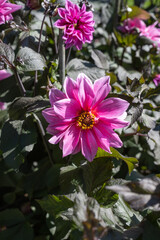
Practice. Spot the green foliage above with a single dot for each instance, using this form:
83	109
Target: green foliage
115	154
45	196
15	224
125	40
30	60
136	13
18	138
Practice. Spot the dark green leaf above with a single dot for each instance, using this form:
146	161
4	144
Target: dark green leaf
20	231
11	217
76	66
31	60
100	59
7	52
131	161
142	194
136	12
9	89
54	205
136	113
18	137
96	173
20	106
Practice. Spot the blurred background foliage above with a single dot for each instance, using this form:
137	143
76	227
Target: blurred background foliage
44	196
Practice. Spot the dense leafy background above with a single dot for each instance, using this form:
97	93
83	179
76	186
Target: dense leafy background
44	196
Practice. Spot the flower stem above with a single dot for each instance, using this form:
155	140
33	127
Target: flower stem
61	57
68	56
19	81
124	50
39	47
135	134
42	132
54	37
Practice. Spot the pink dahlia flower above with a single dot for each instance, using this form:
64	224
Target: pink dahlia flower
4	74
129	25
2	106
156	80
77	24
6	8
81	119
151	32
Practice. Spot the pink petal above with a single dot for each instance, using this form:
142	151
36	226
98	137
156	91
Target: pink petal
112	107
101	140
86	94
4	74
78	44
115	123
55	95
88	144
2	106
112	137
49	115
61	127
56	138
60	23
69	5
71	88
101	89
61	12
77	148
54	120
12	7
70	140
67	108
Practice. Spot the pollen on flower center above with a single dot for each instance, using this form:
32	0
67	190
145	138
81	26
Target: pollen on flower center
86	120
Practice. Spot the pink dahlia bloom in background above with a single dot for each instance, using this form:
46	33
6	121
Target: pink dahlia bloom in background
81	119
2	106
151	32
156	80
4	74
129	25
6	8
77	23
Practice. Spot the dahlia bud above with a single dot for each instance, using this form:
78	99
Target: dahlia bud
33	4
51	8
89	7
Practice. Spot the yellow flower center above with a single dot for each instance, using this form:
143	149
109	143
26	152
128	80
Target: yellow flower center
86	120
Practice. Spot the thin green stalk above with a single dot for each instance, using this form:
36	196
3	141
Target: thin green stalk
61	57
39	47
68	56
20	84
54	37
122	56
42	132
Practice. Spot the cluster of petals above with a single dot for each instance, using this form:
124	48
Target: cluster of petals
77	23
6	8
129	25
151	32
156	79
81	119
3	74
